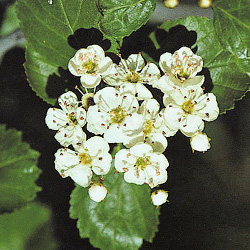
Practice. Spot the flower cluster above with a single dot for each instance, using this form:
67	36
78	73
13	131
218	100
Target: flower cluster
123	110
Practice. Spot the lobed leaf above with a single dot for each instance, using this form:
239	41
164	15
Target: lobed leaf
121	221
121	17
18	170
230	81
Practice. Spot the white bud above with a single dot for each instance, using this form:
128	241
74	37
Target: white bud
97	192
205	3
171	3
159	197
200	142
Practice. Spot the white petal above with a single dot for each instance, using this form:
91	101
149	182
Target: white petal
129	103
97	50
80	116
159	160
56	118
172	117
102	165
133	124
90	80
97	146
104	65
131	177
165	62
191	124
97	192
200	142
150	74
135	62
149	109
114	134
143	92
141	149
81	175
164	84
159	197
158	142
124	159
68	101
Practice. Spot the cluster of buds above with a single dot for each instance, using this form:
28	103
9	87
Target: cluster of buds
123	110
171	4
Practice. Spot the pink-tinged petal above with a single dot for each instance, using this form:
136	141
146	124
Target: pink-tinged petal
165	62
56	118
191	124
141	149
102	165
142	92
96	146
90	80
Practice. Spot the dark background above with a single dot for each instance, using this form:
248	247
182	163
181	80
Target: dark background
209	194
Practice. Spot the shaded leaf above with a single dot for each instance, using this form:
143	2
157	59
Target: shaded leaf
231	23
47	27
121	221
27	228
38	70
121	17
229	82
18	170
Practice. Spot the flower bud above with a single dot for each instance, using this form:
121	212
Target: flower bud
97	192
200	142
205	3
171	4
159	197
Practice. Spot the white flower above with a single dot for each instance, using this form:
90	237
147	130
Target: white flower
180	70
114	115
159	197
132	74
91	155
69	121
200	142
97	192
89	63
154	130
142	165
186	110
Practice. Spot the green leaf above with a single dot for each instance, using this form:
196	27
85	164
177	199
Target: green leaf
10	21
231	22
27	228
230	83
38	70
47	26
18	170
121	221
121	17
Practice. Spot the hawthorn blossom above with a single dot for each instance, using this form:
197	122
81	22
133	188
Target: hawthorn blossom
180	70
91	155
200	142
114	115
89	63
154	131
159	197
97	192
131	75
68	121
186	110
141	165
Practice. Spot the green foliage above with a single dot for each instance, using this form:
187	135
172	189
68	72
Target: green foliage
27	228
121	17
231	22
18	170
121	221
10	21
38	70
229	81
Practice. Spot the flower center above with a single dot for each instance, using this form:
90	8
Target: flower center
132	77
89	67
148	127
117	115
142	162
85	158
72	119
180	73
188	107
